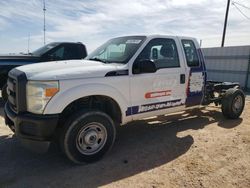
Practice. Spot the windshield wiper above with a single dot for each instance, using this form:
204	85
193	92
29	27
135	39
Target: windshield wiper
98	59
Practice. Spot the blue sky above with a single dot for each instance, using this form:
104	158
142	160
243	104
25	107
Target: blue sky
95	21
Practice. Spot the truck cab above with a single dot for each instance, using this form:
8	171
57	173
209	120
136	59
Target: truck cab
54	51
81	102
175	83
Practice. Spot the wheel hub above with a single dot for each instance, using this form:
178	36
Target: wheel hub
91	138
237	105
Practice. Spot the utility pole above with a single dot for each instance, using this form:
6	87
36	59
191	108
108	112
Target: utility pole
44	25
225	24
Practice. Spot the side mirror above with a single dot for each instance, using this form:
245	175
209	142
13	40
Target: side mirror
144	66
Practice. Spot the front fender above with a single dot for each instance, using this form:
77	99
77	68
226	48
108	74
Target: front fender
65	97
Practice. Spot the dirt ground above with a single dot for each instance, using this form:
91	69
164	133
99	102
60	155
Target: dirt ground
182	150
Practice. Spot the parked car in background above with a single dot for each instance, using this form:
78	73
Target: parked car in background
54	51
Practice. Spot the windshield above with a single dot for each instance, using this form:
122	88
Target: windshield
44	49
117	50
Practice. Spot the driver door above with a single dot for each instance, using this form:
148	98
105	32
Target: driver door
161	92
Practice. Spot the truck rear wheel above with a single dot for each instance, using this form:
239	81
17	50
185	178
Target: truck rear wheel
233	103
4	93
87	136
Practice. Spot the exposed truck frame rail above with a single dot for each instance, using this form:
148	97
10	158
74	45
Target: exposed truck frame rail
215	91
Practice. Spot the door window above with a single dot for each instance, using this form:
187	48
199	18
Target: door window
71	52
66	52
163	52
58	54
190	53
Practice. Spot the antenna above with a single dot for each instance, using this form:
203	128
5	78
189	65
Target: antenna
29	43
44	25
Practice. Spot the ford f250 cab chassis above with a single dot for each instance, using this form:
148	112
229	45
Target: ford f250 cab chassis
80	103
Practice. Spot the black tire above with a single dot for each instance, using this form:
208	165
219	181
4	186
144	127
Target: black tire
231	107
81	130
4	93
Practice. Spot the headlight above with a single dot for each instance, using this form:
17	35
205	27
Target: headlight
38	94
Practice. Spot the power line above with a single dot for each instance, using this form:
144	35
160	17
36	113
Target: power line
242	13
244	6
226	17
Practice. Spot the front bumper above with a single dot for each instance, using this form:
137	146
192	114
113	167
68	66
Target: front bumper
35	131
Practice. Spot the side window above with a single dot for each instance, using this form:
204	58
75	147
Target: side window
163	52
66	52
58	54
82	51
71	52
190	53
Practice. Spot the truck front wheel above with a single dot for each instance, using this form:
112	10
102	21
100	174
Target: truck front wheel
87	136
233	103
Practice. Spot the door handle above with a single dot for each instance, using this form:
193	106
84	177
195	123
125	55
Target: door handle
182	78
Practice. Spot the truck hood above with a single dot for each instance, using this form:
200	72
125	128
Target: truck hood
70	69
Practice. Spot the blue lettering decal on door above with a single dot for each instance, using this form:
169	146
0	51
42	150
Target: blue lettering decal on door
152	107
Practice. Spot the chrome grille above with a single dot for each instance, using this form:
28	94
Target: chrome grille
17	90
12	93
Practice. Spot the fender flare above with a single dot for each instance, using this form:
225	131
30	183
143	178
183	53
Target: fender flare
62	99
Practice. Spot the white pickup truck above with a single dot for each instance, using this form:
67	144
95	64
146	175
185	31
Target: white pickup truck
81	102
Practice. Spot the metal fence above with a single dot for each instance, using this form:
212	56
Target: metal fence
229	64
